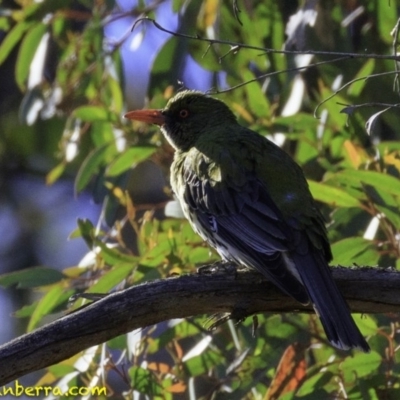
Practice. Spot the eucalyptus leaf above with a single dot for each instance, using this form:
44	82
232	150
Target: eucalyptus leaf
332	195
91	165
27	52
31	277
129	159
12	38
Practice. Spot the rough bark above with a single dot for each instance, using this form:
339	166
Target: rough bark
244	293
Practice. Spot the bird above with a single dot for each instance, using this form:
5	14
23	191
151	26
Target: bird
250	200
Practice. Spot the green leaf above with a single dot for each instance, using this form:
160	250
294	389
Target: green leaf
26	311
367	324
386	20
258	102
332	195
56	296
356	88
158	254
116	99
91	165
101	133
12	38
31	277
380	181
26	53
91	113
128	159
112	278
199	255
354	250
361	364
166	57
113	256
86	229
167	65
144	382
55	173
316	381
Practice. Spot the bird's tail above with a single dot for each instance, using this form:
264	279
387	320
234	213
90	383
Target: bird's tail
329	303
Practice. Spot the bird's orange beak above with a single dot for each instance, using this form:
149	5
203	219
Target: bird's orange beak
149	116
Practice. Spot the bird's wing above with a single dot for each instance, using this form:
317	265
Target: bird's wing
244	224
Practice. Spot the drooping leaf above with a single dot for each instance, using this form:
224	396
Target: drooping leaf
12	38
26	53
257	100
91	165
356	88
86	229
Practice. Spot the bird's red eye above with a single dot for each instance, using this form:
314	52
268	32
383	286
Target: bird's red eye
184	113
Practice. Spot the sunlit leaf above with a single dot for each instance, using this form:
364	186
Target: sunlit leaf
113	255
331	195
380	181
143	382
362	364
12	38
129	159
54	297
91	165
27	51
318	380
111	278
55	173
354	250
257	100
356	88
91	113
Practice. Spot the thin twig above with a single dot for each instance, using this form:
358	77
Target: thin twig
268	74
395	33
372	104
267	50
350	83
236	11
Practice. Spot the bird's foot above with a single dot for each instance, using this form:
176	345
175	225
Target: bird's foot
93	297
239	315
216	320
219	266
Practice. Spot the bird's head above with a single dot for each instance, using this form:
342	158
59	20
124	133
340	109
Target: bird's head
186	117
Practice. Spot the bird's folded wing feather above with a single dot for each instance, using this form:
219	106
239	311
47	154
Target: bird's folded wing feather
246	223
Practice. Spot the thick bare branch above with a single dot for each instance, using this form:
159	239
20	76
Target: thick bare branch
367	290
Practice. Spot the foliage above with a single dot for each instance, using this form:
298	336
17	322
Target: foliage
353	172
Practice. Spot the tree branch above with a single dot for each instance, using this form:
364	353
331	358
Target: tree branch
368	290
